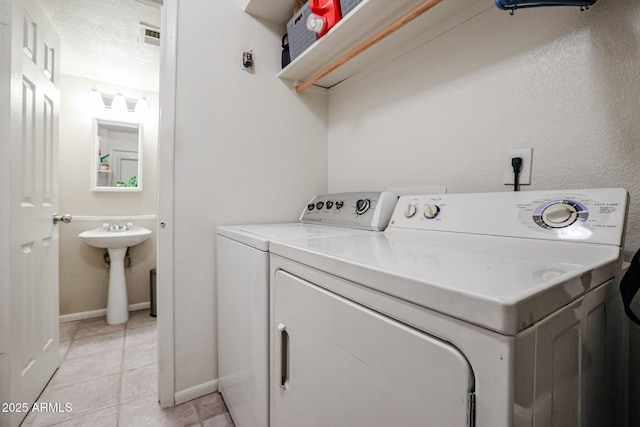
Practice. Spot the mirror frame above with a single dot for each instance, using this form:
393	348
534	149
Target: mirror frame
97	121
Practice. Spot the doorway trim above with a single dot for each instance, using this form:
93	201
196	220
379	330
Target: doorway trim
165	232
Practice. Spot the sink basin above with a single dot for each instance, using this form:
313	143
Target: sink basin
103	237
116	239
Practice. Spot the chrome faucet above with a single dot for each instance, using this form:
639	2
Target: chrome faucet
116	227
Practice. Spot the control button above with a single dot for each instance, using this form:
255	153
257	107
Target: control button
362	206
431	211
339	205
329	204
410	210
559	215
310	206
319	205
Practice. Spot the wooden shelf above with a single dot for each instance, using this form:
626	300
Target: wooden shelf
365	20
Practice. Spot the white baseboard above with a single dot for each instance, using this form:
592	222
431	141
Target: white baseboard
196	391
99	313
139	306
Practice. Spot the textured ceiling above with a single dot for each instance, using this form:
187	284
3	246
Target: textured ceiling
100	40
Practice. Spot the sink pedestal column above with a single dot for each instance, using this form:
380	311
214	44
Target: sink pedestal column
117	301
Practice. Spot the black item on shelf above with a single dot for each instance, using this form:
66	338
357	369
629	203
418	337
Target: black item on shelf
629	286
153	293
512	5
286	57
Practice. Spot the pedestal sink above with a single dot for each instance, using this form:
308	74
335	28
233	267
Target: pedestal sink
116	238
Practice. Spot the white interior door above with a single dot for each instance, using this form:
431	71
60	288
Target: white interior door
30	329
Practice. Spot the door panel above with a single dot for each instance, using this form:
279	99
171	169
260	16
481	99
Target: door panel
31	344
339	363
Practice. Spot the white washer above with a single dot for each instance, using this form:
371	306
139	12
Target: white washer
495	309
243	291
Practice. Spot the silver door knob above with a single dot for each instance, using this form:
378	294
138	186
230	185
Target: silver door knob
66	218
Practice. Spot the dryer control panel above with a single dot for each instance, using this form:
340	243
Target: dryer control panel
363	210
592	215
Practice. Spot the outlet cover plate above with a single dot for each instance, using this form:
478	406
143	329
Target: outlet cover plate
525	170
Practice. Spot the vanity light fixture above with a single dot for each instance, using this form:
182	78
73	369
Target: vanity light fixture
142	106
95	99
119	103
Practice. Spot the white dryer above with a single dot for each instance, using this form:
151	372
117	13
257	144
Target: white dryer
495	309
243	290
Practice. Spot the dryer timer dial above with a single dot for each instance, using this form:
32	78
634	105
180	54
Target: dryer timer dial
362	206
431	211
560	214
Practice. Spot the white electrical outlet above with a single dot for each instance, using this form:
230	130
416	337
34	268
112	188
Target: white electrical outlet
525	170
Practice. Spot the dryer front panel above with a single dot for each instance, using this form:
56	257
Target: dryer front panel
367	368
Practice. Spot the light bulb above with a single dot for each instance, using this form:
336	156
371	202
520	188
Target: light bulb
119	103
95	99
142	106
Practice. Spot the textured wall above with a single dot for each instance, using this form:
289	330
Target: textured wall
563	82
247	150
83	276
76	153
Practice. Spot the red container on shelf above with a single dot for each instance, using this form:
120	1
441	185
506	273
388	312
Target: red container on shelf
325	14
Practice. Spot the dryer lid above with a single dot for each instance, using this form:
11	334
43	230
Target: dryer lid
258	236
500	283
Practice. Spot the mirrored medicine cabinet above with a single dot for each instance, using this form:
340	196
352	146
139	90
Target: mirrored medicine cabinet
117	156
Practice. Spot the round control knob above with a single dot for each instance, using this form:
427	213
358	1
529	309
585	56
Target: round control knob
559	215
410	211
310	206
329	204
319	205
556	214
339	205
431	211
362	206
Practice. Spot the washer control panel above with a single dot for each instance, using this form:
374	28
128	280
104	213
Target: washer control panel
596	215
363	210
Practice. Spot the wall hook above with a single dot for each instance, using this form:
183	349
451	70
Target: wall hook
247	60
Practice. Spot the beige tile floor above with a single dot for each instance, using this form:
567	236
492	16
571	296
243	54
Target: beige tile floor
109	376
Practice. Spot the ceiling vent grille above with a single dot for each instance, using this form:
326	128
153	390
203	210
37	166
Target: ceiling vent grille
149	34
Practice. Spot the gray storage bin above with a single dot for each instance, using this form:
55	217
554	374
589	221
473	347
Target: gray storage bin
300	38
347	6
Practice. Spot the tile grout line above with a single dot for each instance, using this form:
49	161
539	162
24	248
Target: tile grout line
73	338
119	405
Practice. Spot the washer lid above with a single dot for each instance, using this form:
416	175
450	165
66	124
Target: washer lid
504	284
258	236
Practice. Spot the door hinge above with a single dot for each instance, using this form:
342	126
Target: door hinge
472	409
